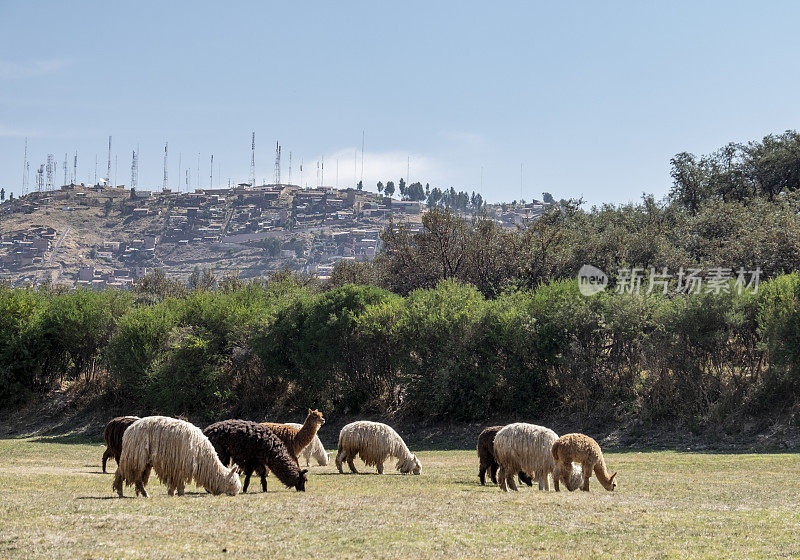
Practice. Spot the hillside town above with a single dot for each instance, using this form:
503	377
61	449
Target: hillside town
98	236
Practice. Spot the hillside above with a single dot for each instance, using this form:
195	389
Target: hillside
99	236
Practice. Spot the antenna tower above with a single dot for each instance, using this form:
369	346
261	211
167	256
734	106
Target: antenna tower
253	160
134	170
51	171
25	170
75	168
40	178
65	168
277	163
108	169
164	186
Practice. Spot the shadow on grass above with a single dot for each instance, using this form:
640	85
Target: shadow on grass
67	439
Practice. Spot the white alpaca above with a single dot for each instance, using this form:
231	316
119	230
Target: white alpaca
374	442
527	448
314	450
178	452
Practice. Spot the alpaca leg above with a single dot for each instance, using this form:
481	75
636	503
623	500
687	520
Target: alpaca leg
107	454
493	472
587	472
140	489
510	476
146	474
339	459
247	475
380	468
557	476
501	475
117	483
181	489
524	478
350	463
262	472
170	490
482	474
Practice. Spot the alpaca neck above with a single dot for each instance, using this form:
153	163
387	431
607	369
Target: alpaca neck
602	474
306	435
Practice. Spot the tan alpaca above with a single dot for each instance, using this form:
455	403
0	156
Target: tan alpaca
296	440
580	448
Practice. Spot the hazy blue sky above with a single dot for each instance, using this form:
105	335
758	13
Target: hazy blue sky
592	98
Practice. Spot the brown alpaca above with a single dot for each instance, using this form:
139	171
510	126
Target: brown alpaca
580	448
298	439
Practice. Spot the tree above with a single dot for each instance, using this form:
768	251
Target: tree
401	185
380	187
415	192
547	198
360	185
389	188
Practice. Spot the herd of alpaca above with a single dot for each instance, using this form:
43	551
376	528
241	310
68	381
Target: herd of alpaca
180	453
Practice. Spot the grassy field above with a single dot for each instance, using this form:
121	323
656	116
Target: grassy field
55	503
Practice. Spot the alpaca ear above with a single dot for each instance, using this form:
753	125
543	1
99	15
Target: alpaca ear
612	476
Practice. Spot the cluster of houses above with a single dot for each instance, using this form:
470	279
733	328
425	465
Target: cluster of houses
90	277
25	248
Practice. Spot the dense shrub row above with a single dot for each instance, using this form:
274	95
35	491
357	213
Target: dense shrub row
444	352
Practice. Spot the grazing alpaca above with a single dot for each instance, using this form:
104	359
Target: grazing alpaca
486	457
314	450
254	447
374	443
178	452
113	437
527	448
298	439
580	448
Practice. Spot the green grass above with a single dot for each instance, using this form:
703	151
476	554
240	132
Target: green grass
55	503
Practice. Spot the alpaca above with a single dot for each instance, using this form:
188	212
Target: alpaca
113	437
296	440
486	457
580	448
178	452
374	443
527	448
314	450
254	447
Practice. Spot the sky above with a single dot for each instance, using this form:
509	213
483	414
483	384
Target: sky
509	99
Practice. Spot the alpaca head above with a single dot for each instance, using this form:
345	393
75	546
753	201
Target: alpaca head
410	465
315	417
611	483
301	483
232	483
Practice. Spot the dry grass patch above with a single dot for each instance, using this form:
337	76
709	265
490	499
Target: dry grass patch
55	503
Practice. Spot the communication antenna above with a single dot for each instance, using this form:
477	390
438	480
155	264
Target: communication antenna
108	170
277	163
134	170
75	168
65	168
51	171
301	172
322	182
166	145
25	170
95	169
116	168
187	179
40	178
253	160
